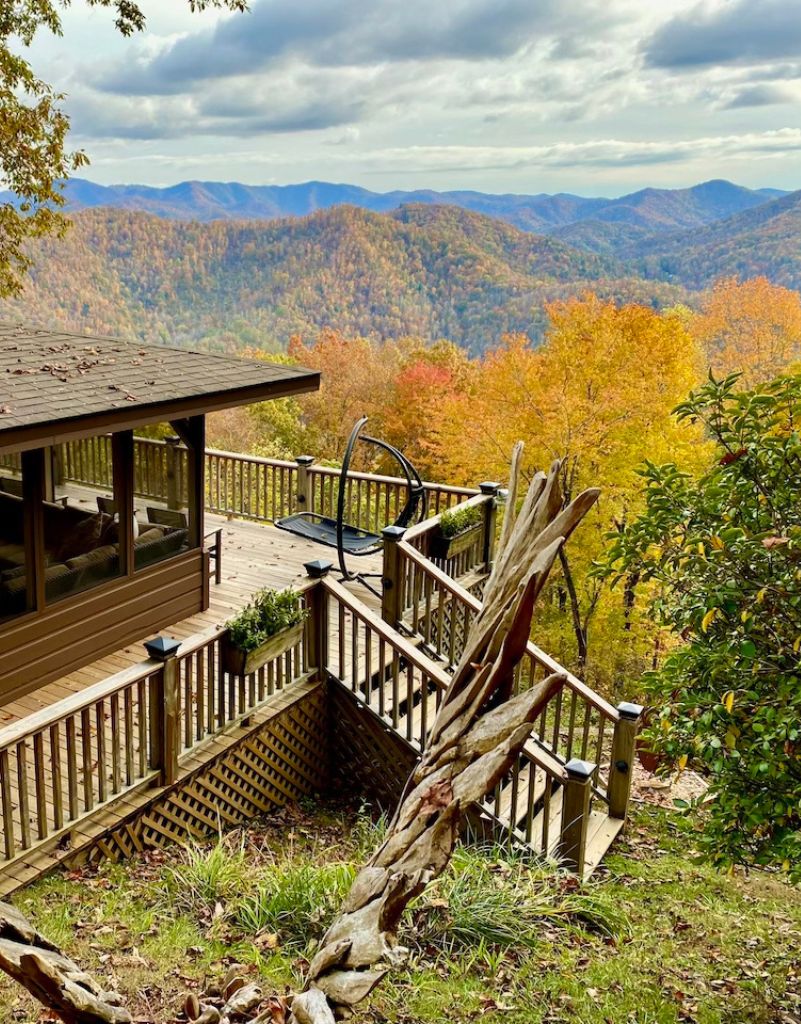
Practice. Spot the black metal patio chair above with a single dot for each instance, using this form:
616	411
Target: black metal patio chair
352	540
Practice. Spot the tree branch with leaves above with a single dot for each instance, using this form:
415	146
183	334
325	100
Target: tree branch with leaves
34	156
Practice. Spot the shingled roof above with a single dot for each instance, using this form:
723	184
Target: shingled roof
54	385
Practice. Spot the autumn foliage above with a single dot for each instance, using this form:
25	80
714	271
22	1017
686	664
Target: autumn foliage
599	391
753	328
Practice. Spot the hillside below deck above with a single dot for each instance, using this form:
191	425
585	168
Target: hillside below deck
83	575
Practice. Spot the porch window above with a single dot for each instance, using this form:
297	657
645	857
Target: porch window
81	524
163	482
16	597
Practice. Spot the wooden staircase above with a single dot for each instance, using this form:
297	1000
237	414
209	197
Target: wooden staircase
553	803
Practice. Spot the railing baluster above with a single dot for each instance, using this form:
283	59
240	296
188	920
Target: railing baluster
127	700
22	792
40	785
72	769
86	744
102	773
9	839
116	774
55	753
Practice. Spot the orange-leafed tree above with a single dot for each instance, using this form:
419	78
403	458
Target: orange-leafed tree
598	391
751	327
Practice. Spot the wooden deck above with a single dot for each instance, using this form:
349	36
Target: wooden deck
253	556
127	727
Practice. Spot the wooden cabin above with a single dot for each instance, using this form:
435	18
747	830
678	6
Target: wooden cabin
86	571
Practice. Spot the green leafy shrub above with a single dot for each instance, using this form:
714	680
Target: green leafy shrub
457	521
268	613
724	551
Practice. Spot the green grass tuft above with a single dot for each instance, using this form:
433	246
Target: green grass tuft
296	900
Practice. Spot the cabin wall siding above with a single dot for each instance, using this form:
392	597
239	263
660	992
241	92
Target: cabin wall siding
41	647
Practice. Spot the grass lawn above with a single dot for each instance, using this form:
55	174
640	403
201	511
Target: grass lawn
655	937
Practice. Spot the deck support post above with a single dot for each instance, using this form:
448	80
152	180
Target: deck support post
303	495
165	728
391	583
317	622
490	490
623	747
173	476
576	803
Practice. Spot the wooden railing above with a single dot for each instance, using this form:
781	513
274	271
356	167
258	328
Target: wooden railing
133	729
250	487
436	603
12	461
58	765
396	681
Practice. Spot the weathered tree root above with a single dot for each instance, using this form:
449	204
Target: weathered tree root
53	979
477	734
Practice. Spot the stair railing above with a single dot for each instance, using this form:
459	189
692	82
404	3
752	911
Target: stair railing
540	804
437	612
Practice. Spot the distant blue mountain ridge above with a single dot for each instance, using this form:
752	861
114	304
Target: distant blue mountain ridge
598	224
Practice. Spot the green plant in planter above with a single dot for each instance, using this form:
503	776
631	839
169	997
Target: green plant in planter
453	523
270	612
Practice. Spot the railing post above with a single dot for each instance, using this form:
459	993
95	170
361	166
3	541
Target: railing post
303	494
317	622
391	583
623	745
57	452
165	730
576	800
490	489
173	488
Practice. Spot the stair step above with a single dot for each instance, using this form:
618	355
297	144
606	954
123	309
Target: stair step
601	833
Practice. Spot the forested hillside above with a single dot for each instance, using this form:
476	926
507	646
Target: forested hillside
763	241
427	271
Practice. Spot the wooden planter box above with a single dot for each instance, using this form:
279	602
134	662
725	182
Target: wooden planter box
242	663
449	547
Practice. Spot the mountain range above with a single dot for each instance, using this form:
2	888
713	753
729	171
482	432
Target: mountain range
190	270
650	209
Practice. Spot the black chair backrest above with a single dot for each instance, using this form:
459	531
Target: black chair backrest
416	504
167	517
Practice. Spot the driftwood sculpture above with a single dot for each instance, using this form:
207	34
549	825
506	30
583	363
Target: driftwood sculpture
55	980
478	732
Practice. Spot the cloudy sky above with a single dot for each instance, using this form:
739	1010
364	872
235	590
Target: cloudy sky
598	97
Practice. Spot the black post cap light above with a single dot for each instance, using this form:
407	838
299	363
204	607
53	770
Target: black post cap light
317	569
162	648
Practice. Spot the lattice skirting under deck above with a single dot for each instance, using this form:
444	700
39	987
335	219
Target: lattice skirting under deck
276	762
367	759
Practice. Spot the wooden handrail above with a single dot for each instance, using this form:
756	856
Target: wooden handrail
539	656
431	523
243	457
394	639
319	469
75	703
380	479
546	761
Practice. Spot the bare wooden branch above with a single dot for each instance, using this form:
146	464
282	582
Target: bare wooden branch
510	512
51	977
479	731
